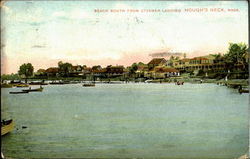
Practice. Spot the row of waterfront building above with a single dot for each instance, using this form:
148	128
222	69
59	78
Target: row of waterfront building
156	68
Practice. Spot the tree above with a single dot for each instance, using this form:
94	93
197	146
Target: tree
26	70
60	63
10	77
140	63
97	67
84	66
171	58
235	54
64	68
170	61
217	57
133	68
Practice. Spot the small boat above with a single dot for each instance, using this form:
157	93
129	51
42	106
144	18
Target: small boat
34	90
21	85
18	92
6	126
241	90
149	81
244	91
88	85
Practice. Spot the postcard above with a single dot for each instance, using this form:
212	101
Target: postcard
125	79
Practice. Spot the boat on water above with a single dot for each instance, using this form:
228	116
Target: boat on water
6	126
20	85
88	85
22	92
241	90
33	90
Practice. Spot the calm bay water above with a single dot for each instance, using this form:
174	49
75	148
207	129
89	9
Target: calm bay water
127	120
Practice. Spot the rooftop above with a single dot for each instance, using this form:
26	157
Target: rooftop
52	70
157	61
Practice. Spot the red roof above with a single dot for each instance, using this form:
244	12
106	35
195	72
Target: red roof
52	70
88	68
120	67
99	71
199	58
156	61
41	70
74	67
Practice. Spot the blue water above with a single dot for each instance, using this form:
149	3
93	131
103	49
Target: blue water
127	121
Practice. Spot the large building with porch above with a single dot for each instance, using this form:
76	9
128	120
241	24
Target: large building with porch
199	63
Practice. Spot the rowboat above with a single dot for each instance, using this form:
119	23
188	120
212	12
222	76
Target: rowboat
88	85
6	126
34	90
241	90
19	92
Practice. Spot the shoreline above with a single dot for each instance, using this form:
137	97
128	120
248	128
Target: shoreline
230	83
141	80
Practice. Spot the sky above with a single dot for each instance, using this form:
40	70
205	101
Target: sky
46	32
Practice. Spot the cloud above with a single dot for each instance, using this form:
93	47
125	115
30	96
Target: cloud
120	38
37	23
38	46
